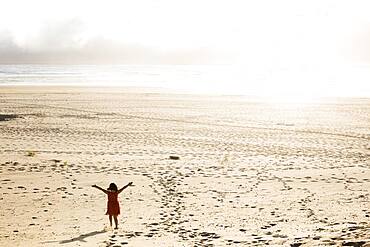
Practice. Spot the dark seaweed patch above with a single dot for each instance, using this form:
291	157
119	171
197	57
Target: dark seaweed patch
7	117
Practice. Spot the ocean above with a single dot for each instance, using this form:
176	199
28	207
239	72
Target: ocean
178	77
199	79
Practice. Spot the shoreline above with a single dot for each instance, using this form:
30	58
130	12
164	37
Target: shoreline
114	89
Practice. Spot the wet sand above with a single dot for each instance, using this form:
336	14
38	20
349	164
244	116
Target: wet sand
249	173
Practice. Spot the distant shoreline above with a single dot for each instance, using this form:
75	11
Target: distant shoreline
67	88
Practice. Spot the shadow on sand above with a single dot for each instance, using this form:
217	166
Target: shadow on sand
80	238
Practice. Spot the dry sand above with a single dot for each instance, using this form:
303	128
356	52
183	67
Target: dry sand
250	173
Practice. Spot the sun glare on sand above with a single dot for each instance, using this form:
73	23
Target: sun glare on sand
289	100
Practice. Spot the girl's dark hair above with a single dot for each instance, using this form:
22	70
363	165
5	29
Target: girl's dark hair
113	187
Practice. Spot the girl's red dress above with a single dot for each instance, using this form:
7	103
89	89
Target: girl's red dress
113	204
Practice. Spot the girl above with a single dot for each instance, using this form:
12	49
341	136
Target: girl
113	209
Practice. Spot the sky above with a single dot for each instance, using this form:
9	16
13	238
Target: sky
287	45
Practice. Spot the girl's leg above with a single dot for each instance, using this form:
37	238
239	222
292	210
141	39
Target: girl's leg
110	220
115	221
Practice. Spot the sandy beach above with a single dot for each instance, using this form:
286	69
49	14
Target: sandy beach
249	172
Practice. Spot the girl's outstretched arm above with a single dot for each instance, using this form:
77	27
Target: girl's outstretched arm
99	188
124	187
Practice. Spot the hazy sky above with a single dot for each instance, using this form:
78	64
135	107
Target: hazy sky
273	42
